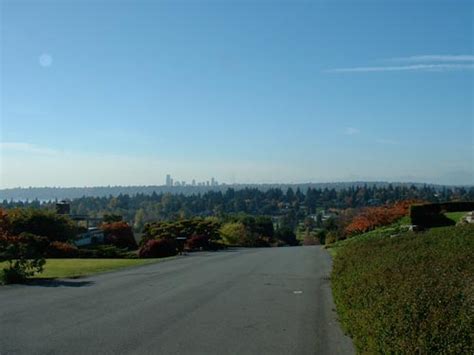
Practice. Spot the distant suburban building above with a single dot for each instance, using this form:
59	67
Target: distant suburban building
63	207
93	236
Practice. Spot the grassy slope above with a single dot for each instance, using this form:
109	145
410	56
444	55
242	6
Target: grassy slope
410	294
455	216
70	268
375	234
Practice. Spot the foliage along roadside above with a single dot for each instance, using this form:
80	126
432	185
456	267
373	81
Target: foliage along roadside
410	294
373	217
212	233
160	239
24	256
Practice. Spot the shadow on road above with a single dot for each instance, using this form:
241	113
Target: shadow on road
58	283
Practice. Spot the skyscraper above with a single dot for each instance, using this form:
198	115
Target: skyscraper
169	181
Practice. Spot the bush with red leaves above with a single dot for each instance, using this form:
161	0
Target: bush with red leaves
198	242
119	234
158	248
373	217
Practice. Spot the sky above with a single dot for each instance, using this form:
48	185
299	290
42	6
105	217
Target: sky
124	92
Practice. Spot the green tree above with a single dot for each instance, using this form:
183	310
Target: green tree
139	220
287	236
111	218
41	223
234	233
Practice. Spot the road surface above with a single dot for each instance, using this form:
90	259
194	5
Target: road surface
244	301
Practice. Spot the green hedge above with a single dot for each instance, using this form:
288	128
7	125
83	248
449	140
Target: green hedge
413	294
431	215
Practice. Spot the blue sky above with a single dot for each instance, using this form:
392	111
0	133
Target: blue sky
124	92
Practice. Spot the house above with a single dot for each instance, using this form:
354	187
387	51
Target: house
93	236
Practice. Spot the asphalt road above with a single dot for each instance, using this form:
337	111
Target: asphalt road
248	301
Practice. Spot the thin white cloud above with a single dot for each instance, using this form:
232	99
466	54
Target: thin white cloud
437	58
22	147
411	68
45	60
386	141
351	131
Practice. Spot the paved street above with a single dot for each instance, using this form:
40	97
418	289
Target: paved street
245	301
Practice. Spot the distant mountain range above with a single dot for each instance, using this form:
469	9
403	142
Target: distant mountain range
61	193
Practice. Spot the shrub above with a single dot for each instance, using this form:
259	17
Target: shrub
5	225
431	215
158	248
85	253
62	250
198	242
104	252
247	231
310	239
287	236
373	217
131	255
119	234
234	233
331	237
111	218
24	255
186	228
203	243
42	223
409	294
314	238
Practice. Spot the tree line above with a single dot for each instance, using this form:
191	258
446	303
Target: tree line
292	205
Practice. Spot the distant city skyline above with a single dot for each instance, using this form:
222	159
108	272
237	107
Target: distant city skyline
170	182
97	93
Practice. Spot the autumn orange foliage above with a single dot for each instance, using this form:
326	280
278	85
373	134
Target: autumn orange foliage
372	217
4	222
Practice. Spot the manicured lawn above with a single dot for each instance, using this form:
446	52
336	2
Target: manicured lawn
70	268
455	216
381	232
405	220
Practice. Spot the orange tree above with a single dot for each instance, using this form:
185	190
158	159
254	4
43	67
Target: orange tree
119	234
372	217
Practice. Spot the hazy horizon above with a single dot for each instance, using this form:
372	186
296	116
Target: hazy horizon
224	184
122	93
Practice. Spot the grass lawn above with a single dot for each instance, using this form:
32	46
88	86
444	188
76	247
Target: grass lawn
378	233
71	268
405	220
455	216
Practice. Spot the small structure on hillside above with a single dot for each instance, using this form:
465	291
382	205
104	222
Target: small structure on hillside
93	236
64	208
468	218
